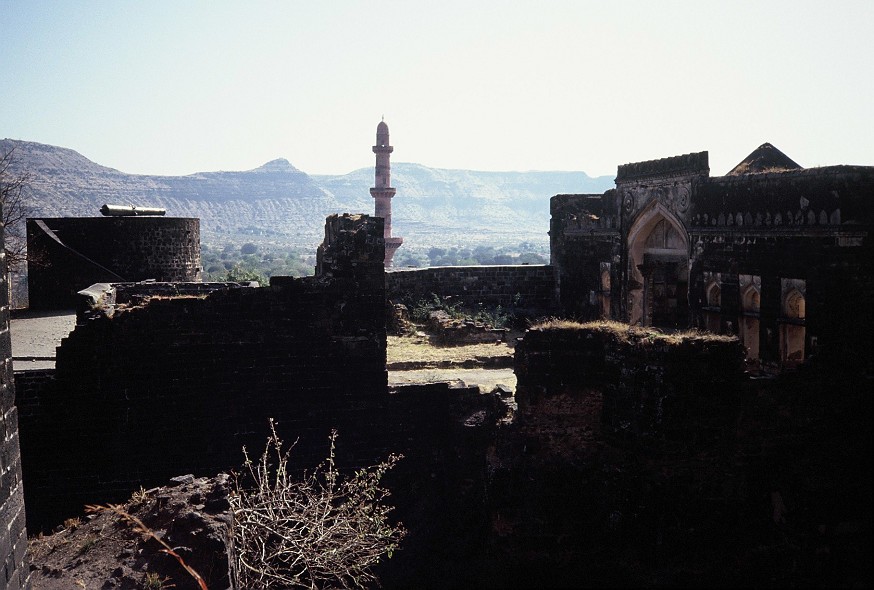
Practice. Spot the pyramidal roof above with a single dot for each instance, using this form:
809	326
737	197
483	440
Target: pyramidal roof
765	158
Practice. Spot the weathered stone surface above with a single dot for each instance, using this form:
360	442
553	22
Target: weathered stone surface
13	536
67	254
177	378
777	255
102	550
639	388
450	331
642	459
527	289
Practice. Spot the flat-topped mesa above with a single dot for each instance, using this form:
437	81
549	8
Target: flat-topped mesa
382	191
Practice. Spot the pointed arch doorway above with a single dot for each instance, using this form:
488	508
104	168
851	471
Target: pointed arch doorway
658	255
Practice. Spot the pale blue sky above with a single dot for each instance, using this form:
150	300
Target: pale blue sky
176	87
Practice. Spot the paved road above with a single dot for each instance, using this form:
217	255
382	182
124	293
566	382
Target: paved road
36	335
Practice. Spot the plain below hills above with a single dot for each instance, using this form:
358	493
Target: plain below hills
278	204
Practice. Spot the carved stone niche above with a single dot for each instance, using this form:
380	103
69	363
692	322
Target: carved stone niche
793	294
745	281
674	197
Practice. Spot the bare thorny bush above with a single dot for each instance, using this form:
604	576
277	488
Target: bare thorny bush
13	190
14	193
322	530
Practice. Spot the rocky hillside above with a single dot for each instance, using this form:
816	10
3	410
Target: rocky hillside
277	203
465	207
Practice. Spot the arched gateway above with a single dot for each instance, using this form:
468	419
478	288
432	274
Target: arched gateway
769	253
658	259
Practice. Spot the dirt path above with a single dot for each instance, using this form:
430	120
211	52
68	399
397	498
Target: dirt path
36	335
410	359
486	379
413	359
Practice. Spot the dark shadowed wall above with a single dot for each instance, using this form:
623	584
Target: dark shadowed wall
70	253
524	287
13	536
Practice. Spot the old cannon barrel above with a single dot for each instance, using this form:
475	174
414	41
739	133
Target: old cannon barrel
130	210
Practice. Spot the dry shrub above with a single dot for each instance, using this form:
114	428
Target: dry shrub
323	530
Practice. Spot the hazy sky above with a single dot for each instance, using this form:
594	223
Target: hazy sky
176	87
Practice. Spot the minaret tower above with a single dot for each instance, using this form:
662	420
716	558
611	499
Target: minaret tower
382	192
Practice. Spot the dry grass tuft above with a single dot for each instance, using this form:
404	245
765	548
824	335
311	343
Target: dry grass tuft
628	333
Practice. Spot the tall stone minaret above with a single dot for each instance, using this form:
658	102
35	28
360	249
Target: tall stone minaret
382	192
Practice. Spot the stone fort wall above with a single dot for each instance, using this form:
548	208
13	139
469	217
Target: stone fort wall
752	241
638	458
13	536
171	379
69	254
523	287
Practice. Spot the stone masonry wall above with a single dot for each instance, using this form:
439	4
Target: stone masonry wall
522	287
808	225
13	536
179	378
599	478
164	384
644	459
107	249
585	250
637	387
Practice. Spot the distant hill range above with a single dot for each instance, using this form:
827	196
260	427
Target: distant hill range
277	203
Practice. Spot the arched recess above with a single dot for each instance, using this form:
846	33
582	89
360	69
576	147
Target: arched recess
714	295
712	313
658	259
792	331
749	324
604	294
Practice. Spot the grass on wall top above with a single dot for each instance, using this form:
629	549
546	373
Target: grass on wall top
627	333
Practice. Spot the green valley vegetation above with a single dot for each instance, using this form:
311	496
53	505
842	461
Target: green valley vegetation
259	262
251	262
522	253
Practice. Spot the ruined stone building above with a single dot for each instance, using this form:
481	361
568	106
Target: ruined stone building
67	254
382	191
626	457
774	253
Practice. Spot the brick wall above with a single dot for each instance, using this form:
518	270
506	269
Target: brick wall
13	536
